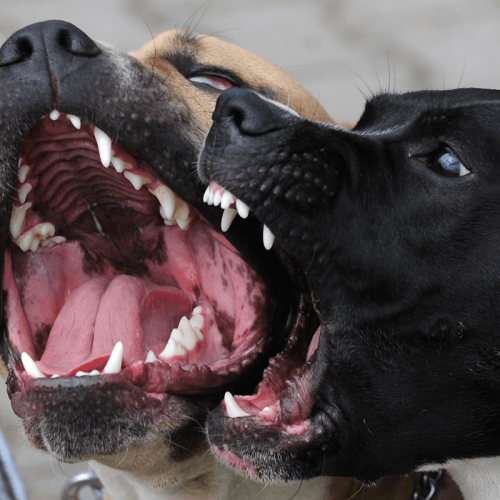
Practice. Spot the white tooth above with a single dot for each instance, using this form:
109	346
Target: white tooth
189	335
166	197
25	241
217	198
30	366
242	208
197	310
183	224
268	238
104	146
81	374
55	375
34	244
181	210
173	348
137	180
77	123
23	173
94	373
226	200
23	192
227	218
151	358
232	408
118	164
206	195
31	239
17	219
210	197
114	364
54	115
197	321
55	240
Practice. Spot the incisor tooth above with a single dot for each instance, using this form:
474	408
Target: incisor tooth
114	364
217	198
232	408
92	373
17	219
151	358
268	237
54	115
243	209
23	192
226	200
206	195
173	348
166	197
227	218
210	197
30	366
104	146
77	123
136	180
23	173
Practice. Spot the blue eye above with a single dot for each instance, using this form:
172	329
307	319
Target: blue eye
446	163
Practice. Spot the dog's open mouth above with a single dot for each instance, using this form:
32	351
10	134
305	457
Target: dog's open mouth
110	274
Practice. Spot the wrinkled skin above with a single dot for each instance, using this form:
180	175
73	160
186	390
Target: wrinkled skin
403	266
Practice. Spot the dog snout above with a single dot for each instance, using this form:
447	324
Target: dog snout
58	41
250	113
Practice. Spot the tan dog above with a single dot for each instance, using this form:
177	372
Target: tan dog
104	382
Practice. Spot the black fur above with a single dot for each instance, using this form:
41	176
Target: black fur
403	264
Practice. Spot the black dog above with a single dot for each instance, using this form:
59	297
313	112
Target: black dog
393	228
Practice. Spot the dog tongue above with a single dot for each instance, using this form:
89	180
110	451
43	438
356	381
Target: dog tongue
100	313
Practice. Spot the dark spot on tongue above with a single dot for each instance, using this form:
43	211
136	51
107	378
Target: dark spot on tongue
41	337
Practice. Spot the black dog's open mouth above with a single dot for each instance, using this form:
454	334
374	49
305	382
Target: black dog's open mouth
109	274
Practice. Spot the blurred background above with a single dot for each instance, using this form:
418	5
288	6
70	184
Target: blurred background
341	50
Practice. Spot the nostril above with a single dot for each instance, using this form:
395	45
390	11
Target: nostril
64	40
237	115
24	48
76	42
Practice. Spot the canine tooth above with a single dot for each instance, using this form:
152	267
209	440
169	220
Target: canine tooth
189	337
226	200
104	146
137	180
23	192
242	208
23	173
55	240
166	197
227	218
150	358
173	348
232	407
197	310
17	219
54	115
114	364
77	123
217	198
30	366
268	238
206	195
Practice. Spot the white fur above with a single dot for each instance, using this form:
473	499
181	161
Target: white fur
477	478
120	485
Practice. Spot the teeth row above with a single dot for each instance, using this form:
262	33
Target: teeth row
226	200
173	209
182	339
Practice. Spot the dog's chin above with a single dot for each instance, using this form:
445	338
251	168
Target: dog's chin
127	312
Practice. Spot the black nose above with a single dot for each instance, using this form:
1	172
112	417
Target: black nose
250	113
58	41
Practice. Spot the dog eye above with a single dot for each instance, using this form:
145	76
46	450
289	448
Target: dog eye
213	81
446	163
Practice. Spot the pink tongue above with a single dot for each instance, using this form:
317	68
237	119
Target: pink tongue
100	313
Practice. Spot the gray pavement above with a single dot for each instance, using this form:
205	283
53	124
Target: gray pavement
339	49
